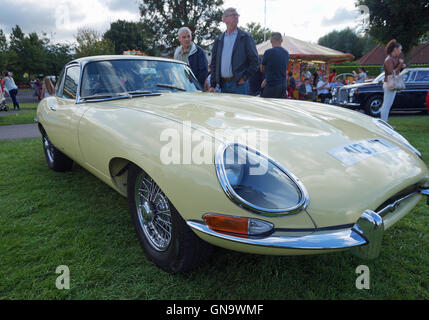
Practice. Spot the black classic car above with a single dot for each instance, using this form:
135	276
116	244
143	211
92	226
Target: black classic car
369	95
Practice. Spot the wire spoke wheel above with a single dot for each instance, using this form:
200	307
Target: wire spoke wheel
48	148
55	159
153	211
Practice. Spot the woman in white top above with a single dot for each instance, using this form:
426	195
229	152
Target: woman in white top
48	89
11	87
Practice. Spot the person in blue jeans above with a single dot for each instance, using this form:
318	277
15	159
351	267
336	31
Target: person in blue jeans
234	57
11	87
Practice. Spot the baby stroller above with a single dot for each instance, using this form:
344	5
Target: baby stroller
3	106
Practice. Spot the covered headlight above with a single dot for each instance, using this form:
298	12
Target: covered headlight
257	183
389	130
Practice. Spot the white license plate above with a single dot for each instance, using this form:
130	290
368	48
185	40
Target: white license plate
355	152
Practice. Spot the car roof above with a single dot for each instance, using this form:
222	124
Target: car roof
418	69
121	57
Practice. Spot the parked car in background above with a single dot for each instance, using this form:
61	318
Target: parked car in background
346	78
369	96
427	101
328	182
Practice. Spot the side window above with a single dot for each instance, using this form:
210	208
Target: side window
406	77
422	76
60	85
410	76
71	81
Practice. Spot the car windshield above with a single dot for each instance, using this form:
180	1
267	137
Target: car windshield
379	77
112	78
405	75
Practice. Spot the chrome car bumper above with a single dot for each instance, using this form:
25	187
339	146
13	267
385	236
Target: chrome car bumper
365	236
344	103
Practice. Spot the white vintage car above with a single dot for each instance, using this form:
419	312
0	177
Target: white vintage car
265	176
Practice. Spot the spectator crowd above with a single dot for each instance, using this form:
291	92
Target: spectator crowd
236	67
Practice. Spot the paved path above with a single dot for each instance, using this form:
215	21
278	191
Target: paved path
19	131
7	113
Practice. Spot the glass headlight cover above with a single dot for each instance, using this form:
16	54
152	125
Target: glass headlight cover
257	183
389	130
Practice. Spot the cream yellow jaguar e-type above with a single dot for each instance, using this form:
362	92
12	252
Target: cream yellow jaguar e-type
265	176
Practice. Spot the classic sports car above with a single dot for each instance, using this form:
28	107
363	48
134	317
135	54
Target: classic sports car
263	176
369	95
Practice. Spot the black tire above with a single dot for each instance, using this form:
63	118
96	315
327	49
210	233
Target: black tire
373	106
55	159
184	250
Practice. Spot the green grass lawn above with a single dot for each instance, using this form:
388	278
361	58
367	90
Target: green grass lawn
25	115
50	219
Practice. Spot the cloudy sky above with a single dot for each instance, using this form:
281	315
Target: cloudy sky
304	19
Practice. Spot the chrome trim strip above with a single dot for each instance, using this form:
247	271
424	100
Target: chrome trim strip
351	104
220	171
384	126
341	239
393	206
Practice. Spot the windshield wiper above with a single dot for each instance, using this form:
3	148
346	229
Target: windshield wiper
128	94
99	96
169	86
138	92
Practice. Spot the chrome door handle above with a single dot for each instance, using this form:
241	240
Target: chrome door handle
52	108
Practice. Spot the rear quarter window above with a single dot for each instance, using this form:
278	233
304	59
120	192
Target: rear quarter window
422	76
71	82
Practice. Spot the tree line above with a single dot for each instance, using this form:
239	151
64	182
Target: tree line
405	21
32	54
156	34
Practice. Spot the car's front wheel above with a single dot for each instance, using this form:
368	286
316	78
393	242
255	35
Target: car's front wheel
163	234
373	106
55	159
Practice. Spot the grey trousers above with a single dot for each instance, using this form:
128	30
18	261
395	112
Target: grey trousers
389	97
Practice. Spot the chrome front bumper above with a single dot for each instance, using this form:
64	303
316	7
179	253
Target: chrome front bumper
364	237
344	103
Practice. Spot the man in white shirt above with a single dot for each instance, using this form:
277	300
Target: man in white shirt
323	89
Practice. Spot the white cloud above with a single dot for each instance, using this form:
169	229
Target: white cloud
341	16
304	19
49	15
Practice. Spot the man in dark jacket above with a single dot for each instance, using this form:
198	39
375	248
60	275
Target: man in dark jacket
234	57
192	54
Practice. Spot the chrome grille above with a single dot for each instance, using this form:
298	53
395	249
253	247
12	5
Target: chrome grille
342	95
